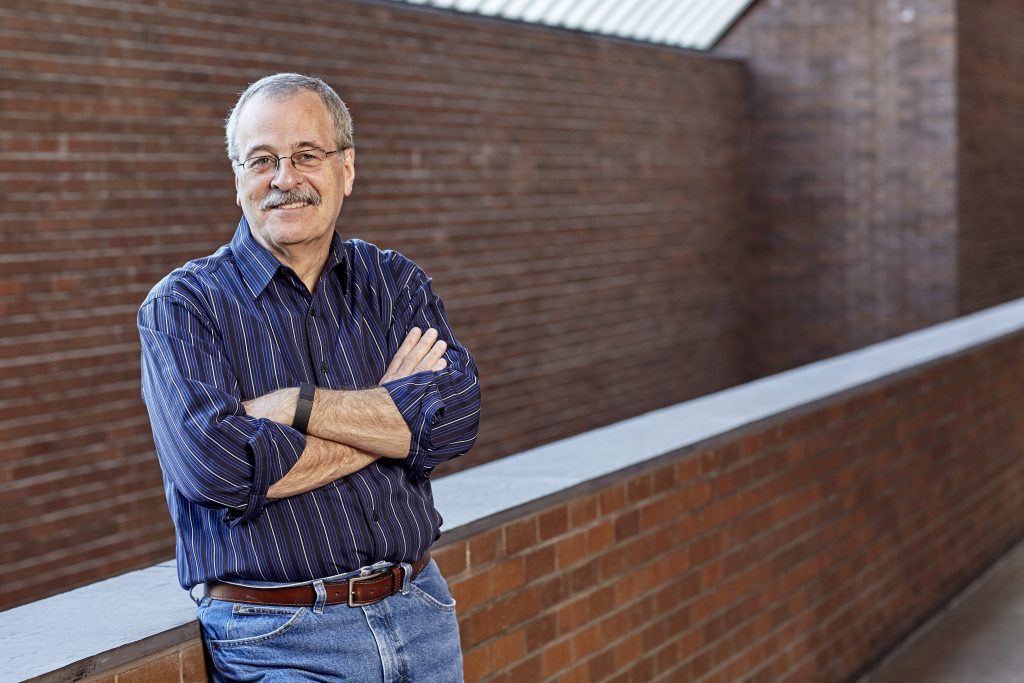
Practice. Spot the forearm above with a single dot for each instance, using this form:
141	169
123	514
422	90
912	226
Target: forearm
366	419
321	462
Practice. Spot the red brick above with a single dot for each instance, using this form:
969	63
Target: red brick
572	615
485	547
520	535
600	537
476	662
508	649
543	629
627	526
451	558
583	511
578	674
472	591
601	664
612	500
165	667
571	549
508	575
556	658
193	664
526	670
540	563
553	523
587	641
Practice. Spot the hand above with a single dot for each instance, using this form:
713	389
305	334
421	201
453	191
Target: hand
278	406
420	352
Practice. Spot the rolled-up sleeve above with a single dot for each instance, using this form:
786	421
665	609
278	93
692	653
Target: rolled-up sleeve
441	408
211	452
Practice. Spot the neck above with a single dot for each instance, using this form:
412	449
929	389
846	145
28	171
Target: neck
307	259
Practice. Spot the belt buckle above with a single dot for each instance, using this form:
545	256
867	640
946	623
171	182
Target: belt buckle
362	579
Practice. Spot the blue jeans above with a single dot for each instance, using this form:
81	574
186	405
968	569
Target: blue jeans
412	636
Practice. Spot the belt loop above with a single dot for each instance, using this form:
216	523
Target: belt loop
321	596
406	577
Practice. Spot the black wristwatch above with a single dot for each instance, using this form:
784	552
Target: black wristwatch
304	407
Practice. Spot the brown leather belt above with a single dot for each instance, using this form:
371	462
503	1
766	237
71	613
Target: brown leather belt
355	592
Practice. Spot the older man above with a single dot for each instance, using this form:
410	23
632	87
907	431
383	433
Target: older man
301	388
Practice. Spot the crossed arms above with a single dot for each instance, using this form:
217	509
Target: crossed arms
349	430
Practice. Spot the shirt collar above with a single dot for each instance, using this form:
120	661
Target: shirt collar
258	266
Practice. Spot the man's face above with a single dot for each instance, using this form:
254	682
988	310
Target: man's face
291	208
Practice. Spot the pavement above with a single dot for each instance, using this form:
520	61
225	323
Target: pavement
978	638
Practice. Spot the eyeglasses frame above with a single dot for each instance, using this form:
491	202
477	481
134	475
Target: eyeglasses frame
277	159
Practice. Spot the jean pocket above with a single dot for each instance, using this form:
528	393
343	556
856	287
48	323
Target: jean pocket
252	624
431	588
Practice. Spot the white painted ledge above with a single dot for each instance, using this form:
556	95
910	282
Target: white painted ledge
516	480
94	622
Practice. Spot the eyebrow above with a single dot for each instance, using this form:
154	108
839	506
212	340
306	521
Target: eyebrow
298	146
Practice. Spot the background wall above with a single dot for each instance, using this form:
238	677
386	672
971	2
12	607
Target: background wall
578	201
990	96
853	192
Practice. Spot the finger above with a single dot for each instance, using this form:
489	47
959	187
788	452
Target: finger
407	345
421	349
436	352
416	354
440	365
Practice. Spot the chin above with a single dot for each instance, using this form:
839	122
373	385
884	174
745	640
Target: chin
294	233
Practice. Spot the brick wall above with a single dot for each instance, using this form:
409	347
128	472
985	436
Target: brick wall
182	663
797	549
853	174
990	108
574	197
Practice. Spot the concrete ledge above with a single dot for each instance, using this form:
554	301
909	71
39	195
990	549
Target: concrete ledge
474	495
94	629
97	627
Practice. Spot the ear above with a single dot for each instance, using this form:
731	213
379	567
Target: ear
238	189
349	165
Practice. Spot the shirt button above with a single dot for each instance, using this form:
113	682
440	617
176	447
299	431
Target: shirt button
323	368
312	309
374	516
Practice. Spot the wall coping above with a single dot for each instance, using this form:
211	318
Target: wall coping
99	626
479	493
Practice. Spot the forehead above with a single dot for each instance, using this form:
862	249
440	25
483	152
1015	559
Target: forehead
284	123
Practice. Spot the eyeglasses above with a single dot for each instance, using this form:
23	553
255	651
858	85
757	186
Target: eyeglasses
303	160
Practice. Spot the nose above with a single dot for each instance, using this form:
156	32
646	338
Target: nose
286	177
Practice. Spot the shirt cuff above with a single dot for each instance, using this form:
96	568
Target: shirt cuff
421	405
273	448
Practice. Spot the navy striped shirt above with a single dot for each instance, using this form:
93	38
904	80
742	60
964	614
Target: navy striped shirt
238	324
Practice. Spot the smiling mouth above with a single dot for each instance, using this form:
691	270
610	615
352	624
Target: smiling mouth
293	205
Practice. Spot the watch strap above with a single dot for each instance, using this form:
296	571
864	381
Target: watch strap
304	407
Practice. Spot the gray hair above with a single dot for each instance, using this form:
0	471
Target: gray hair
280	86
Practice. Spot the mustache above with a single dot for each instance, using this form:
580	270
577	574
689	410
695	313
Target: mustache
278	198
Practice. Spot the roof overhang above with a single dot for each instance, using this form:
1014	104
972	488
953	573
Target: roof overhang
692	24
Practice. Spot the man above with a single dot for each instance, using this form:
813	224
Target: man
301	388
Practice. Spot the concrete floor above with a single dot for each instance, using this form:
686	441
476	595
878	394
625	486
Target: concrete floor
979	638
